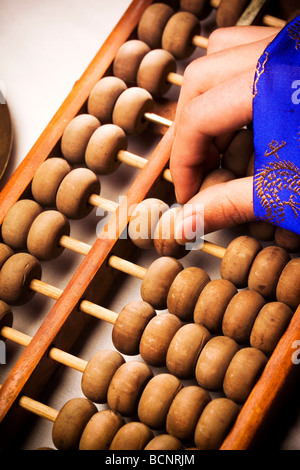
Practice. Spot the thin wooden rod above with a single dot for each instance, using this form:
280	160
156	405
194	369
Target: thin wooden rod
139	162
56	354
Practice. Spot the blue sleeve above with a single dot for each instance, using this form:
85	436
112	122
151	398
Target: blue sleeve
276	125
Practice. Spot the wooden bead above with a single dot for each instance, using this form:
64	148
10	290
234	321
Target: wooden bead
237	155
98	374
15	277
243	372
240	315
76	136
288	286
200	8
45	233
152	24
5	253
212	303
262	230
238	258
213	362
156	400
164	442
100	430
230	11
132	436
185	290
217	176
215	423
130	325
289	241
103	148
143	221
185	410
158	279
266	269
178	34
126	387
70	423
184	350
128	59
74	192
47	179
156	338
154	70
6	315
130	108
269	326
103	98
17	223
164	235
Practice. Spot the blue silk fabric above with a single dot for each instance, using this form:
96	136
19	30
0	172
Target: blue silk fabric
276	125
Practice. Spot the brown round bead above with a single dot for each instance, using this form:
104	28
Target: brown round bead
103	148
212	303
100	430
184	350
98	374
128	59
164	235
45	233
238	153
70	423
262	230
73	194
238	258
288	286
229	12
185	410
130	325
130	109
266	269
15	278
156	400
158	279
289	241
47	179
213	362
215	423
152	24
76	136
17	223
5	253
156	338
217	176
132	436
126	386
185	290
178	34
269	326
154	70
143	221
6	315
164	442
240	315
103	98
243	372
200	8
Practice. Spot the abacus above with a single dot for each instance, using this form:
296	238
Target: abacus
199	338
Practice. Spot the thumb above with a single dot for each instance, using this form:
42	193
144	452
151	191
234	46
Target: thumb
220	206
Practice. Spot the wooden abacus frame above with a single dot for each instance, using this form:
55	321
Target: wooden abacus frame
33	369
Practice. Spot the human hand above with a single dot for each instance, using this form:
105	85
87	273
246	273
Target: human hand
215	101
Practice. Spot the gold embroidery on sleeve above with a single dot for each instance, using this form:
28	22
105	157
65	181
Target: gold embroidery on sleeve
260	68
294	33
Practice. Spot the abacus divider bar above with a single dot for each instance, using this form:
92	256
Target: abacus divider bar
56	354
85	306
37	408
